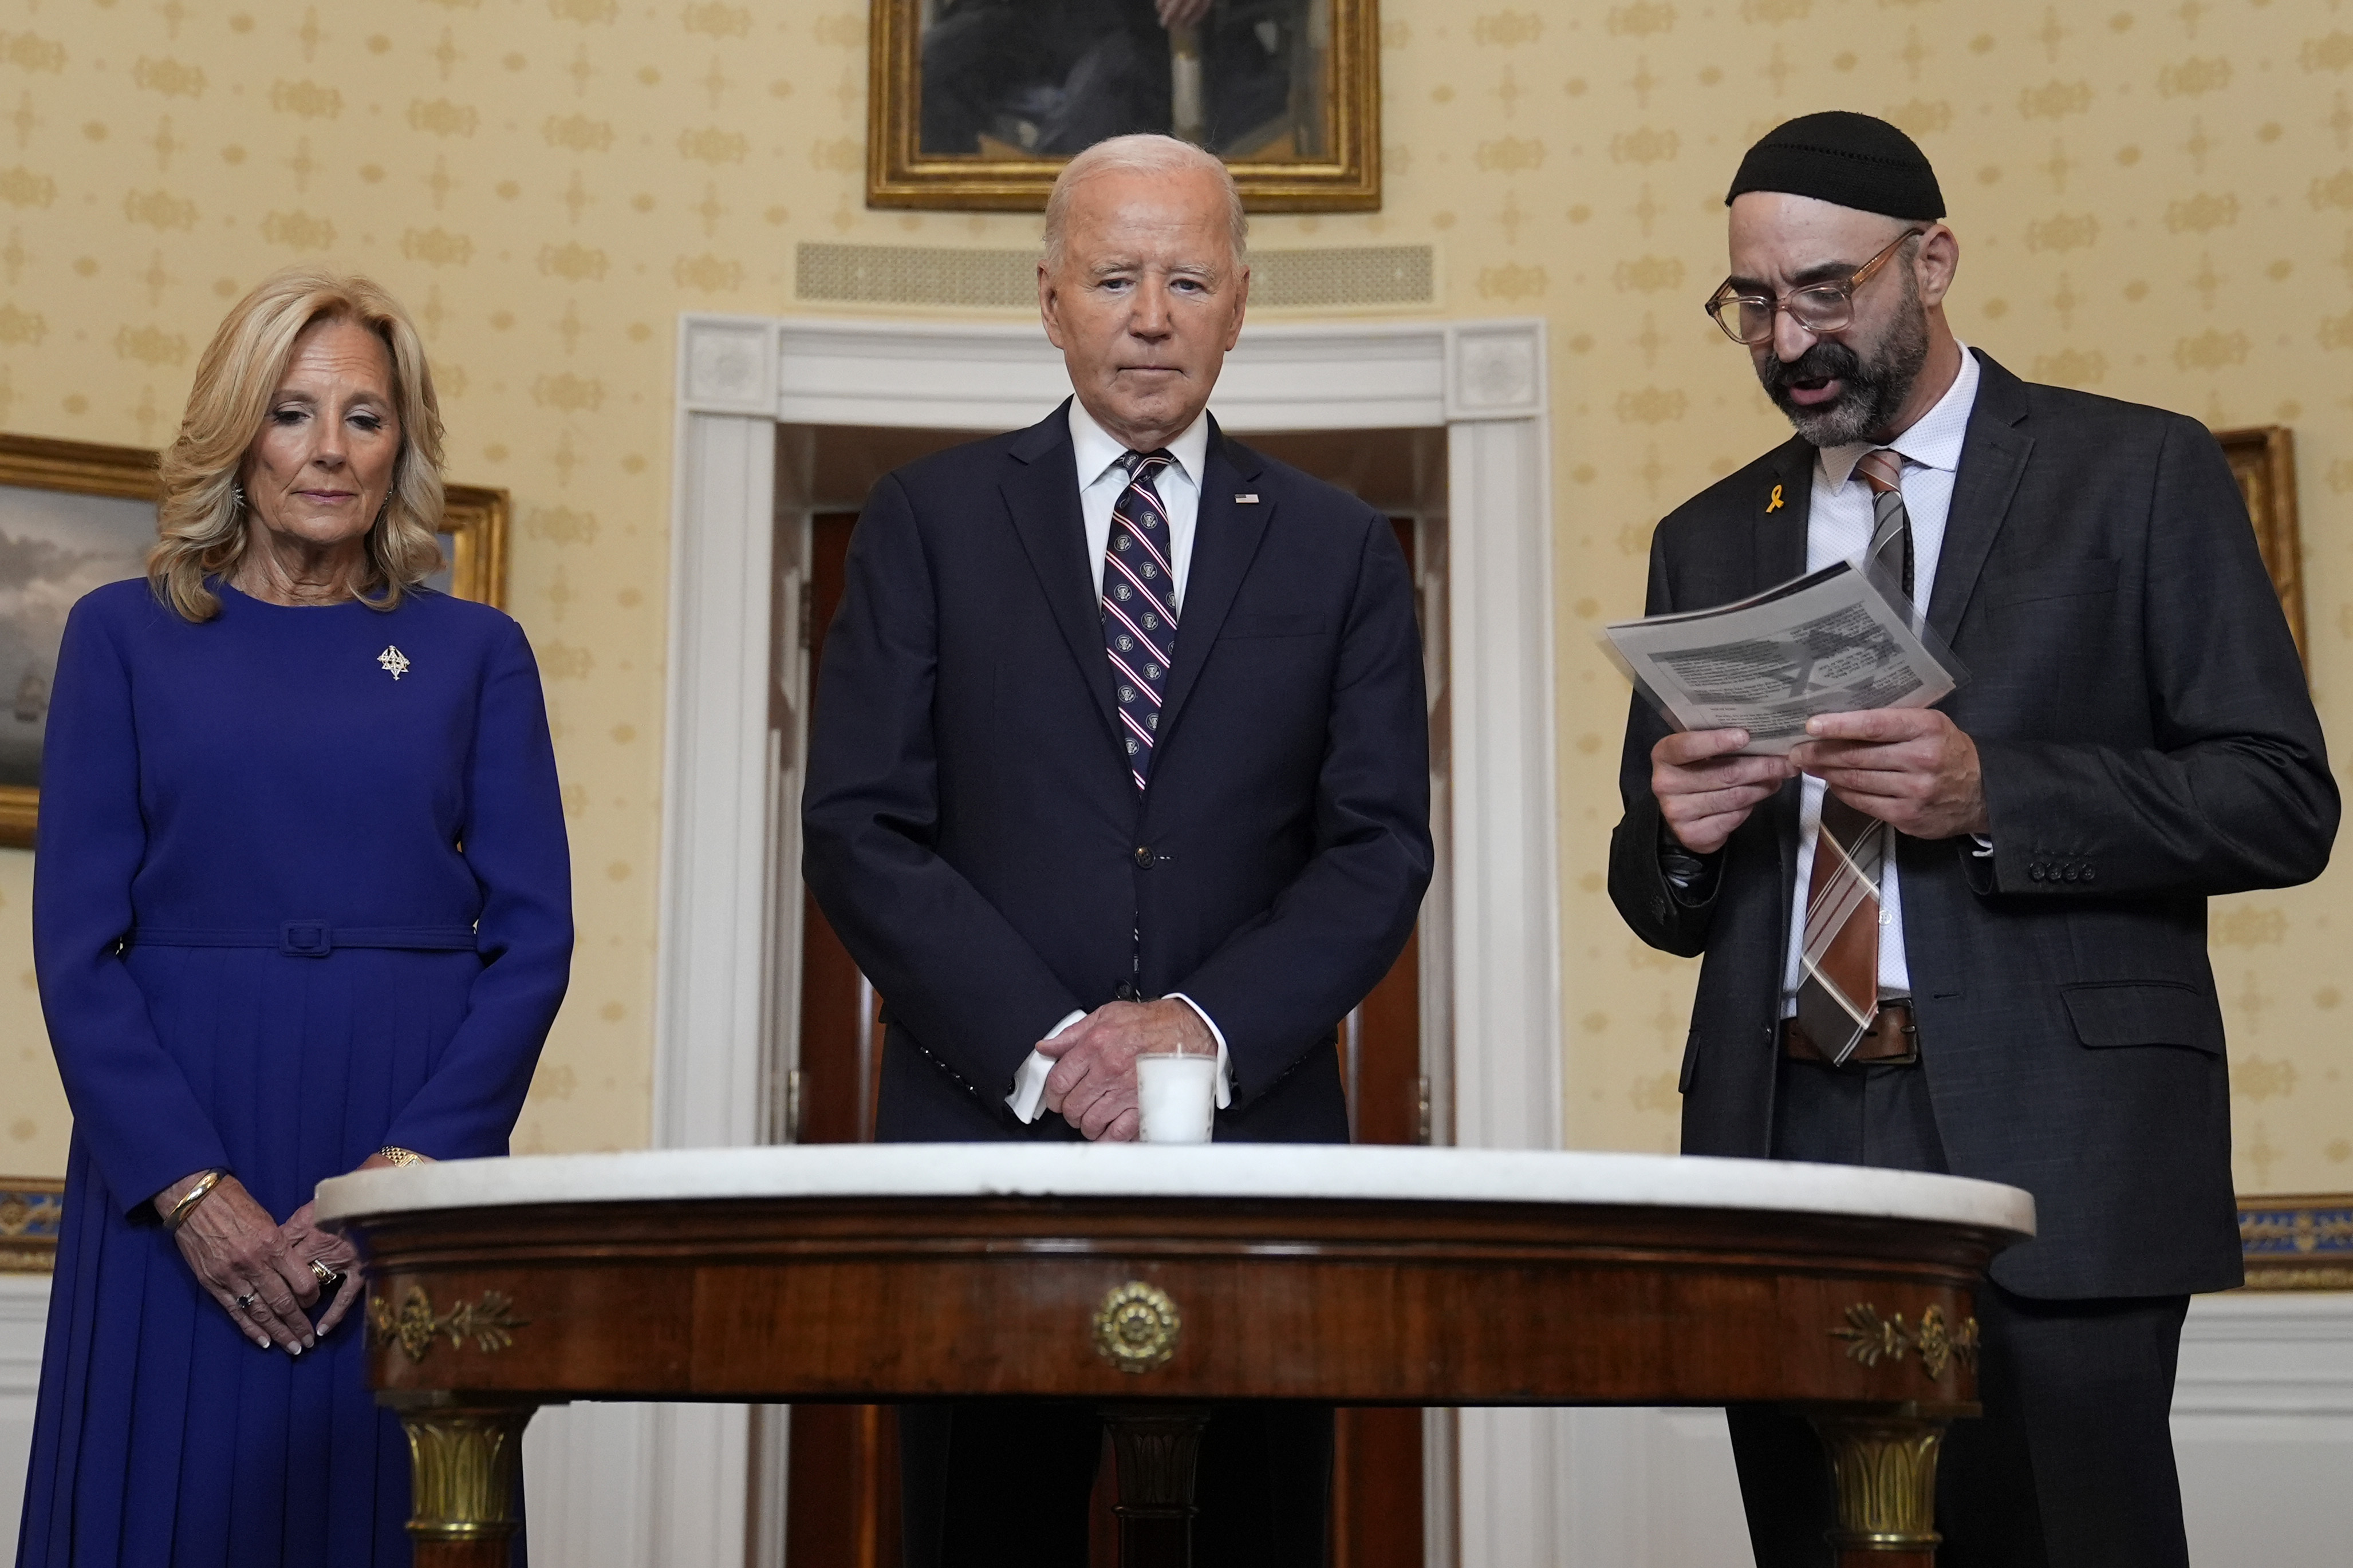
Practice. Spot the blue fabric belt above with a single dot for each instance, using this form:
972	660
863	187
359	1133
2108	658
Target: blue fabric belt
312	939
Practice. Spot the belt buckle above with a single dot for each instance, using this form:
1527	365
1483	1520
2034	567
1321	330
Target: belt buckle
1885	1016
306	939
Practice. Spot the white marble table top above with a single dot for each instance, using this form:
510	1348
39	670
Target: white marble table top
1143	1171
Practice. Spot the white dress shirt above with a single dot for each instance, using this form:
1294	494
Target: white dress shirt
1838	529
1103	479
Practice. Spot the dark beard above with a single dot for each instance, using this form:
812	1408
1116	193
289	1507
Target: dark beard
1869	394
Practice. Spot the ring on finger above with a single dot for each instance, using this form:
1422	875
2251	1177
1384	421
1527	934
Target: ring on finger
326	1275
245	1302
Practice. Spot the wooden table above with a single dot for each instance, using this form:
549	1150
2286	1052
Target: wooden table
1156	1280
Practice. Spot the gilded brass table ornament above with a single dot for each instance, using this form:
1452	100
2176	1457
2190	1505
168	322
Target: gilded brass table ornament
1872	1339
490	1323
464	1464
1886	1466
1136	1326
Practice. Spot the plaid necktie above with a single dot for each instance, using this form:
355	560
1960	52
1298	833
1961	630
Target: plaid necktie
1139	607
1838	993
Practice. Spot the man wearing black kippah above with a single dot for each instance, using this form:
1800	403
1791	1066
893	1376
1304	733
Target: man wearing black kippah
1971	939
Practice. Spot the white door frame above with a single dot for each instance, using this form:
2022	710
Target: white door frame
738	378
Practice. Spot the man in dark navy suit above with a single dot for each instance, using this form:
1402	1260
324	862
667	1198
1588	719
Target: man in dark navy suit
1121	742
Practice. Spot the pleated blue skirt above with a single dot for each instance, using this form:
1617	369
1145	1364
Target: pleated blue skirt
162	1435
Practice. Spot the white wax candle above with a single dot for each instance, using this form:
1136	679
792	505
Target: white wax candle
1177	1094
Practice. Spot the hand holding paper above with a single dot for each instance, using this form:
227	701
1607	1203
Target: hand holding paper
1912	768
1706	786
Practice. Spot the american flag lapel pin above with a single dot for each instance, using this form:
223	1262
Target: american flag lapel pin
1247	498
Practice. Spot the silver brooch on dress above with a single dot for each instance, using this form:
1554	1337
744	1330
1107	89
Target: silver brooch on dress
394	661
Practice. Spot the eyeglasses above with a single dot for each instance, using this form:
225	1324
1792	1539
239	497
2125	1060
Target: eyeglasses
1818	307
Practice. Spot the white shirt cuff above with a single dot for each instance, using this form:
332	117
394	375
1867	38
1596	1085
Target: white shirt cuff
1225	1070
1027	1100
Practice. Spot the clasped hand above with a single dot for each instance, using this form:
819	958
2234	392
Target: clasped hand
1912	768
1093	1086
235	1250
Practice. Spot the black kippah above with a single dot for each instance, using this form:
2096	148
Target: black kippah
1851	159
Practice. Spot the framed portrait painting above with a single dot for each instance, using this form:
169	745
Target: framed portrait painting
75	516
2263	460
977	103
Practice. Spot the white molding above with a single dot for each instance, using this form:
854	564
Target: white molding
715	793
1001	377
1495	370
727	364
2266	1354
24	1321
1505	909
2263	1435
2263	1426
740	374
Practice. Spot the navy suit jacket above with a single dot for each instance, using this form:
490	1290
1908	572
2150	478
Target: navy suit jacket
2146	739
971	830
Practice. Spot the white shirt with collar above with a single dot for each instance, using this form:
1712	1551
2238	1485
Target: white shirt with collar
1100	462
1839	528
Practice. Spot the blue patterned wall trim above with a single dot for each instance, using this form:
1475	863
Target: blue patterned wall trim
32	1211
2298	1243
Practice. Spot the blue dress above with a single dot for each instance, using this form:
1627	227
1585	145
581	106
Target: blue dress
265	777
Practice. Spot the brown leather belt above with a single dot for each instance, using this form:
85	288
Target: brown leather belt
1892	1037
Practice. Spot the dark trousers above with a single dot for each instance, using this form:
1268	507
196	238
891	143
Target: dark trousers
2071	1464
1004	1484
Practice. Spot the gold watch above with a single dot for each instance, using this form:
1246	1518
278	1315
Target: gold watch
400	1156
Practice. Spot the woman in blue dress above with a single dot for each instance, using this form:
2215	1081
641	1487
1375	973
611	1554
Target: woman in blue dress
302	906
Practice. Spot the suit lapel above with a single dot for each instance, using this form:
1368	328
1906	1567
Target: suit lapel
1783	511
1226	535
1993	458
1041	496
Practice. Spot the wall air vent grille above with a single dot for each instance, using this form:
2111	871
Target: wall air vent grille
1351	278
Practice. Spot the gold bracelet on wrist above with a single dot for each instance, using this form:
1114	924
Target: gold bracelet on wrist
400	1156
191	1197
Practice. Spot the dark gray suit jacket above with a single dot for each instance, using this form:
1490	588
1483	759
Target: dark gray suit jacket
2147	741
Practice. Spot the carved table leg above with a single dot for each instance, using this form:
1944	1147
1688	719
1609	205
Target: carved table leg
1155	1447
464	1459
1885	1461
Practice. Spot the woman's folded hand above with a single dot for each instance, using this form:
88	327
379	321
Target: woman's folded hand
239	1254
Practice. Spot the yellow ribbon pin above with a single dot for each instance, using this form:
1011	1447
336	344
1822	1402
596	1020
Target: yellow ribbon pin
1775	504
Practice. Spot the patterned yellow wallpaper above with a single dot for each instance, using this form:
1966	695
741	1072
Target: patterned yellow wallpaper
2155	201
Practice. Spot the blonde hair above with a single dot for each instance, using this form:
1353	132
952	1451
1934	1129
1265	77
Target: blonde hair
1145	152
200	520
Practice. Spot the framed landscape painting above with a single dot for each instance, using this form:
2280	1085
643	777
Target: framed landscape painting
75	516
977	103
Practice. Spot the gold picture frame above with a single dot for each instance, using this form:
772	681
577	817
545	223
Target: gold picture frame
2263	460
1337	116
474	524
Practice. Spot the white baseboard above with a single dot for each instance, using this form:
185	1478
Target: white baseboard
2262	1434
582	1496
2263	1427
24	1316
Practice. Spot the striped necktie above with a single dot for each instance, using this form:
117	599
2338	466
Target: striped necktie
1139	608
1838	991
